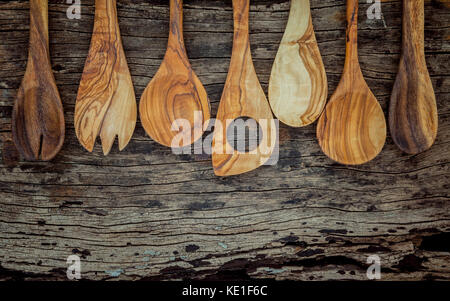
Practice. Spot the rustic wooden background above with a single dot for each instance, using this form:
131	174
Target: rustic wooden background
145	213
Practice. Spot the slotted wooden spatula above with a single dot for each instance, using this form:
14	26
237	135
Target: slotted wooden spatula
352	129
298	82
242	97
38	120
413	117
106	104
175	105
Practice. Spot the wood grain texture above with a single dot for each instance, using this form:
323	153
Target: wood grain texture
352	129
146	214
242	97
175	94
298	87
38	128
413	117
106	103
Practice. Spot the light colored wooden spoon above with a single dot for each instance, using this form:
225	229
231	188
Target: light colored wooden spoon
298	85
106	104
175	106
413	117
242	97
38	119
352	129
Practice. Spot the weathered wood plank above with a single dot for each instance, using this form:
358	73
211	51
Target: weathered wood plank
145	213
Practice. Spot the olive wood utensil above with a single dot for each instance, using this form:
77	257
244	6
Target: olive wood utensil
38	119
106	103
413	117
298	83
352	129
175	95
242	97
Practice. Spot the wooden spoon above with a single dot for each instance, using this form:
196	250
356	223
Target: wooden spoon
175	105
106	104
242	97
38	119
413	115
298	83
352	129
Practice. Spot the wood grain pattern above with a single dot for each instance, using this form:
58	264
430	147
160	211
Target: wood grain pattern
106	103
298	85
144	214
38	119
352	129
175	94
242	97
413	115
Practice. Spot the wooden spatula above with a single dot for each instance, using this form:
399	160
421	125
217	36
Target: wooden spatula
413	115
175	105
352	129
242	97
106	104
38	119
298	82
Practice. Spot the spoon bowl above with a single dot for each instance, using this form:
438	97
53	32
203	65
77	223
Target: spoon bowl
352	129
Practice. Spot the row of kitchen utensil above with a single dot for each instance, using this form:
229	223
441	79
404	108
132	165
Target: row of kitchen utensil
351	127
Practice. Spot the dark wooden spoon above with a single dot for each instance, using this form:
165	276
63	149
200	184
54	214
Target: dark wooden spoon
38	119
352	129
413	117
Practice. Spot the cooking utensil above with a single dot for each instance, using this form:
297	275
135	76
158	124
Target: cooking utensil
38	119
242	97
352	129
175	105
298	82
413	117
106	104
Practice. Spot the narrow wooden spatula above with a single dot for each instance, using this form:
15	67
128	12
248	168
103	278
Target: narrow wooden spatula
38	120
243	97
106	104
298	82
413	118
175	106
352	129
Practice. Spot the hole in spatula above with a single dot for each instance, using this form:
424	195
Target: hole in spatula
244	134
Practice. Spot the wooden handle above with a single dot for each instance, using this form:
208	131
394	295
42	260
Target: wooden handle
351	58
413	26
241	10
39	41
176	24
105	17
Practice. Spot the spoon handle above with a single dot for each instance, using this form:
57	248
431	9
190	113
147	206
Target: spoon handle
351	57
413	27
106	20
39	40
176	39
241	29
